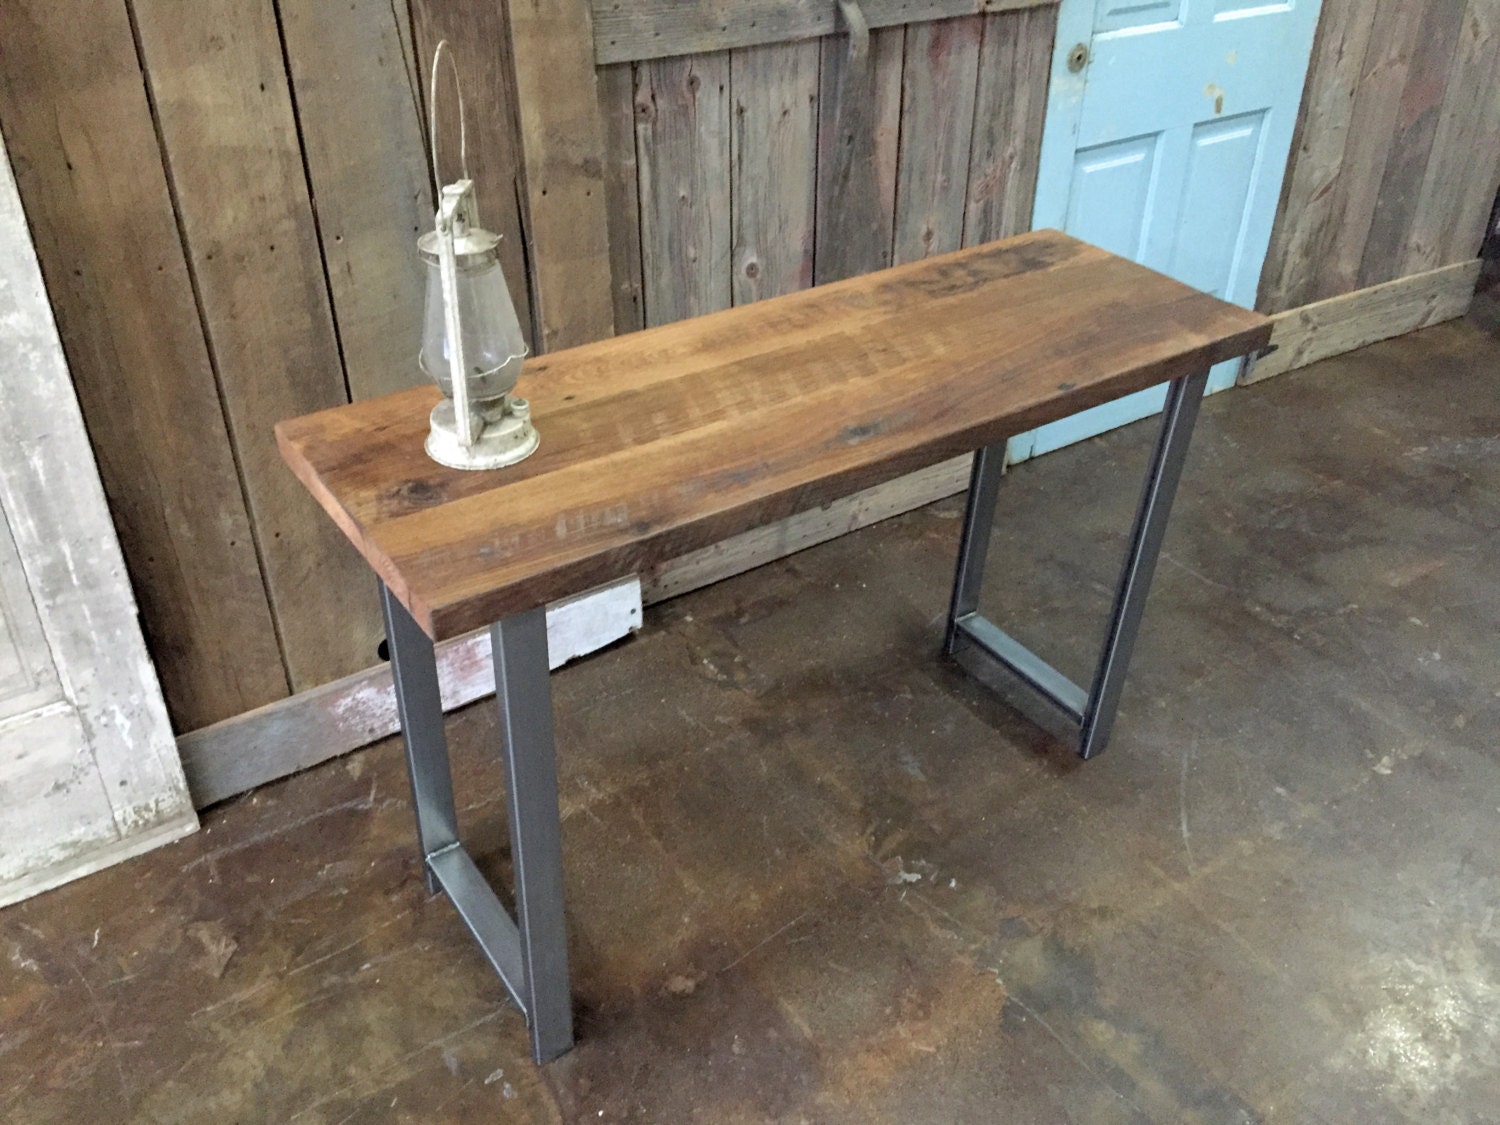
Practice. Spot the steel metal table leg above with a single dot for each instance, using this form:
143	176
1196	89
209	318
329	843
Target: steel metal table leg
523	688
532	958
1091	713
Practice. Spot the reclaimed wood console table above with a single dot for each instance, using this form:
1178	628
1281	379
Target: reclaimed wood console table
663	441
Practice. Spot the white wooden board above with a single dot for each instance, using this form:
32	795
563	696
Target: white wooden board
88	767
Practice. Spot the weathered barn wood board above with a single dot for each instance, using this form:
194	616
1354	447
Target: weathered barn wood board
478	36
88	767
80	135
1398	148
773	149
1410	139
626	30
1015	61
1367	316
937	118
1302	223
1458	188
359	112
562	145
1394	34
303	730
859	127
682	145
664	441
622	199
220	90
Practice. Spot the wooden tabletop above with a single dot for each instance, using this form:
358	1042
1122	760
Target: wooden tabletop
663	441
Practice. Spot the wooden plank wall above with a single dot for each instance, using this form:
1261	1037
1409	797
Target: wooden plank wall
224	197
1397	155
761	169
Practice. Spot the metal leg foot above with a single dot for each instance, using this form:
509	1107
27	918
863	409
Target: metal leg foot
531	954
1091	713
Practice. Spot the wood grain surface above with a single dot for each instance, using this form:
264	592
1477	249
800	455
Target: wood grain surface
773	149
859	128
562	141
224	108
1015	60
1397	153
937	122
664	441
359	116
682	145
81	139
622	198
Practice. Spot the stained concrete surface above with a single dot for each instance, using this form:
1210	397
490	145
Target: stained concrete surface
817	875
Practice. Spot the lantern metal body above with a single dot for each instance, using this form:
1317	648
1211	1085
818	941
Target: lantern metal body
472	345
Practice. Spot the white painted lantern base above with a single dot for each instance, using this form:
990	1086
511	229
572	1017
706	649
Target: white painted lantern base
508	435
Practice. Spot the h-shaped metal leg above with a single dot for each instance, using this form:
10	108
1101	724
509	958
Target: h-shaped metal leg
532	957
1092	713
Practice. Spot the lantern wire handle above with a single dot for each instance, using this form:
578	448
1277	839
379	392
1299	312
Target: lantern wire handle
463	129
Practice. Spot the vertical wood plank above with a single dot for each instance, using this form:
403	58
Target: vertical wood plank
478	35
622	200
562	139
1410	143
1302	222
1395	27
773	147
355	80
682	143
224	110
1460	180
937	121
83	145
859	127
1015	62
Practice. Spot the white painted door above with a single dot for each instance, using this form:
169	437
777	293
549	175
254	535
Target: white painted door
88	767
1169	123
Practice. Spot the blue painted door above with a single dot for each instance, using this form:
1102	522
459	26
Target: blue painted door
1168	145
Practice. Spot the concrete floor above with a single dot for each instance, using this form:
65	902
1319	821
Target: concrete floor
817	875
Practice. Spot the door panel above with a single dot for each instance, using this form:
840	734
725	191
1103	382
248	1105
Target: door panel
1121	15
1169	148
1111	200
1223	159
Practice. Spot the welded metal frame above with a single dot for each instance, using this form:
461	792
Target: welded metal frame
530	953
1090	713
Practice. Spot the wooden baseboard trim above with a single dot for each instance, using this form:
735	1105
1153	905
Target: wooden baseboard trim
1367	316
289	735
